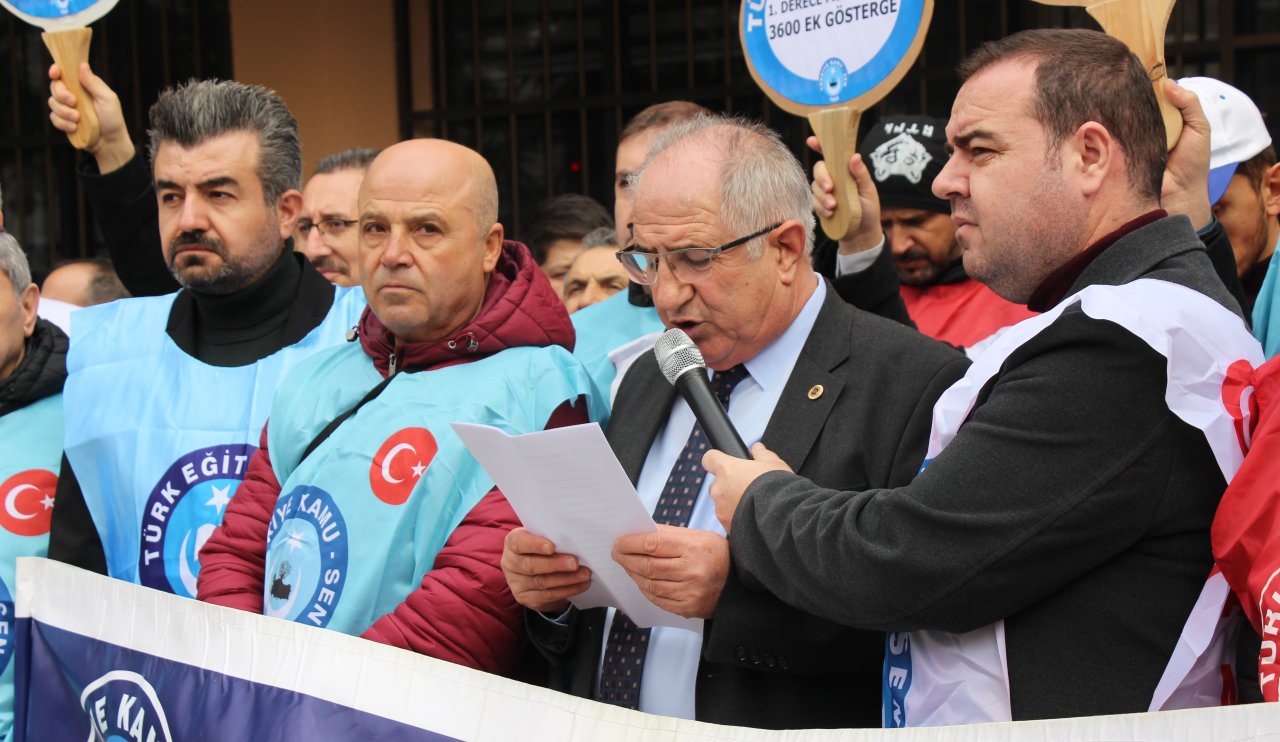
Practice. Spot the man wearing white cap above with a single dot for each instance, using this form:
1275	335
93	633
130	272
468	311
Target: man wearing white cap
1244	185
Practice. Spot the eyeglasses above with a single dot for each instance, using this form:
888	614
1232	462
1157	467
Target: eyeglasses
327	227
689	264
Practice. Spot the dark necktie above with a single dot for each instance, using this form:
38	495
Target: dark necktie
627	645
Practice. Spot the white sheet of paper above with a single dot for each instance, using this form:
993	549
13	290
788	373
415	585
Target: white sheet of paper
566	484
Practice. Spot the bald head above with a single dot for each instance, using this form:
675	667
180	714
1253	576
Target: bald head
429	237
84	283
439	166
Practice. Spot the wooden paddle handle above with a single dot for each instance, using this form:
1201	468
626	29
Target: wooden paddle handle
69	49
1141	24
837	132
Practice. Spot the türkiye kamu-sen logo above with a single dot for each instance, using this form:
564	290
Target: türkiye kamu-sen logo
122	705
184	507
306	557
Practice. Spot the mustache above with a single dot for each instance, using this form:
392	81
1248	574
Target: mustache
329	263
197	239
912	254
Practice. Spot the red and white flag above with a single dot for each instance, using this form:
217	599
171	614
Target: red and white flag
1246	529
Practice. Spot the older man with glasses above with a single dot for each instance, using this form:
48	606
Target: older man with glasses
722	231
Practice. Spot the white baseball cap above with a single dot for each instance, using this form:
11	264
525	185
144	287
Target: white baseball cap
1236	130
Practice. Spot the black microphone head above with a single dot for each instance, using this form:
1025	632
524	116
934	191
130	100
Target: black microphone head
677	354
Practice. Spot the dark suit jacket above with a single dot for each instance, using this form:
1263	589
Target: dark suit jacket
1073	505
766	664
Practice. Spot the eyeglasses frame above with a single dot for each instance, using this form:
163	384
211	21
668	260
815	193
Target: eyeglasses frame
622	254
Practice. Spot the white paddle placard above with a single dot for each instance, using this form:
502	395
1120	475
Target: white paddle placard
830	60
65	35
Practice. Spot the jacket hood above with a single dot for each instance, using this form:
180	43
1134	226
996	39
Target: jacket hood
40	373
519	309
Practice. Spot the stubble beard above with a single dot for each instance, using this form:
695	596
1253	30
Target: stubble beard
925	276
1018	263
227	274
1258	244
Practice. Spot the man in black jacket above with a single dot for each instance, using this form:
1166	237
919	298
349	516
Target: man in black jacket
1046	560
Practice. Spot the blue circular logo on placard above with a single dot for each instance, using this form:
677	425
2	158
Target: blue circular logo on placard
53	8
786	41
306	563
833	78
184	508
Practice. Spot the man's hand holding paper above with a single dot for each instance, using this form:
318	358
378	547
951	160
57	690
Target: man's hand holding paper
680	569
541	579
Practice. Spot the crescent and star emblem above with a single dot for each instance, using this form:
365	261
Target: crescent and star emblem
418	467
400	463
28	502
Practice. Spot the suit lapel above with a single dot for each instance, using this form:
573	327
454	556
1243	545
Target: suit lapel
803	408
644	402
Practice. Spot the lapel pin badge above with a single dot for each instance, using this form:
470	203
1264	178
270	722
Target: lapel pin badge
815	391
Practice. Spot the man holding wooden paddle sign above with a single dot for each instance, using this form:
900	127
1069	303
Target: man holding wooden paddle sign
1051	557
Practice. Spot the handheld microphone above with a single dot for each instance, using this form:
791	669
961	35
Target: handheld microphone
681	362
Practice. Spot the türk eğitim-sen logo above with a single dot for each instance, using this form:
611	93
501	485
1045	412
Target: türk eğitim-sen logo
184	508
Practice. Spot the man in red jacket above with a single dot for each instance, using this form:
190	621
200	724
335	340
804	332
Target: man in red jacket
362	512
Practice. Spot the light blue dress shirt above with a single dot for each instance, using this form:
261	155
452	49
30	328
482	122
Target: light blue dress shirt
671	666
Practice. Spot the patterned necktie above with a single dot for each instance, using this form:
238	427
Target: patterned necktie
627	645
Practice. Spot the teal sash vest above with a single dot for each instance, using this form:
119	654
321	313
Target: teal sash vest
359	521
165	439
29	459
606	326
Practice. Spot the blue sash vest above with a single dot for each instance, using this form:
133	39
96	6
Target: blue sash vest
393	480
166	438
608	325
29	461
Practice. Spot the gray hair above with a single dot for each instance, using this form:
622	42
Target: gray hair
600	237
356	158
761	182
199	110
104	285
13	261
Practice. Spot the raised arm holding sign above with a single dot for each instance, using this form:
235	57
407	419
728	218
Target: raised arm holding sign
831	60
67	37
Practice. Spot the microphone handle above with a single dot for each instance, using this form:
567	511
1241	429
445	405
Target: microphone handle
696	390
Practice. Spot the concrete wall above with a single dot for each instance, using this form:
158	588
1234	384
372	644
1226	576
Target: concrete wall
333	63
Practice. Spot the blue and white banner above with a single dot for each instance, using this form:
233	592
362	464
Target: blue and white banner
102	659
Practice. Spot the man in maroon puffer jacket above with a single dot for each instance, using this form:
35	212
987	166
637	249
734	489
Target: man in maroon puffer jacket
444	289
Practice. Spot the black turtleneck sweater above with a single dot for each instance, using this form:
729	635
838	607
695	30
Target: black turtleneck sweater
242	327
236	329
